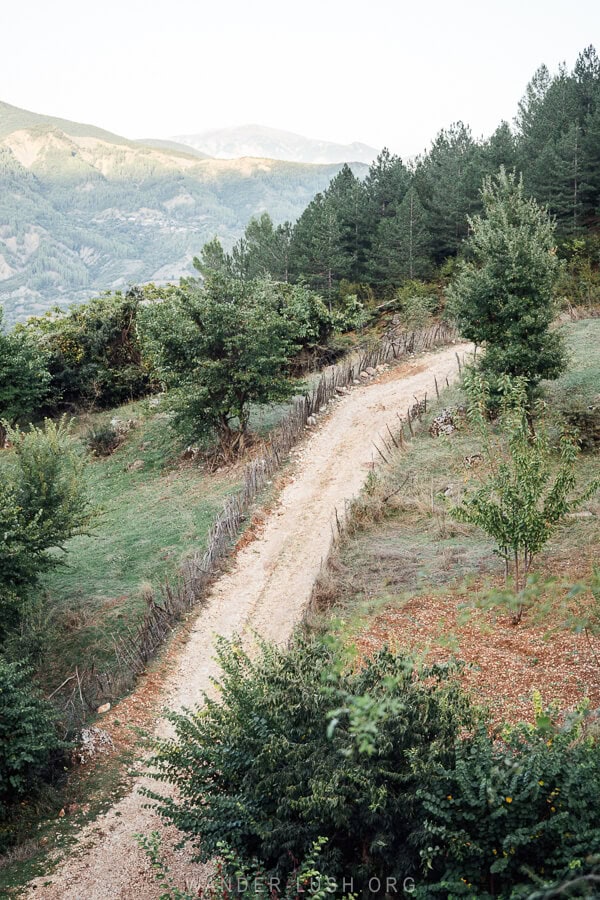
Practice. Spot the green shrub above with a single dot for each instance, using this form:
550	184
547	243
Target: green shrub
584	419
102	440
24	379
417	310
406	782
92	350
28	736
260	770
513	814
43	502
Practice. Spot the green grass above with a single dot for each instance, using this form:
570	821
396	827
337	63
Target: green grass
147	521
583	373
409	545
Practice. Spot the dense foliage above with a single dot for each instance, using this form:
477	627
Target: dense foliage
43	502
226	344
92	351
28	736
24	379
260	770
503	294
514	814
406	781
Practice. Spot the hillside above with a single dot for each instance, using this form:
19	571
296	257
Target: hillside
273	143
266	592
405	573
83	210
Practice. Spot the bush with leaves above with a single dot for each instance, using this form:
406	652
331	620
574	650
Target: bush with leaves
503	295
93	351
260	770
513	814
43	503
103	439
28	735
226	345
525	489
246	880
24	379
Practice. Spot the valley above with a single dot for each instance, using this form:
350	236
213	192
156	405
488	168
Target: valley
83	211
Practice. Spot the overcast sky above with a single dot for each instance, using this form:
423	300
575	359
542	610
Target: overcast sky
386	72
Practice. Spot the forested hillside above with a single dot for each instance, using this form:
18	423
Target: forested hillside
83	210
407	221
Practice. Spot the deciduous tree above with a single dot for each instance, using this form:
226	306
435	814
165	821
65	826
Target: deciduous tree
503	294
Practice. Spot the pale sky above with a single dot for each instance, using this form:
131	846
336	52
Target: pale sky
386	72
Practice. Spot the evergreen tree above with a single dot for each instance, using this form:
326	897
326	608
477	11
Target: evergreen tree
386	183
267	248
213	260
499	150
240	260
401	245
587	80
347	197
550	145
590	166
316	247
448	180
415	251
503	296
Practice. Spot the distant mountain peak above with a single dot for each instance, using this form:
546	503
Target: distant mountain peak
273	143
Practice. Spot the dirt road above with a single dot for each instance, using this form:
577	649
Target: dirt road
265	592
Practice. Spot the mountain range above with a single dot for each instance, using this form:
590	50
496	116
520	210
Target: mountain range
83	210
256	140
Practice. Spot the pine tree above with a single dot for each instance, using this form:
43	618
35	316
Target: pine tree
316	247
213	260
267	248
347	197
448	180
416	247
401	245
499	150
385	185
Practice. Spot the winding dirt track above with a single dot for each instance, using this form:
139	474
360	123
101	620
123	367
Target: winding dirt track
265	592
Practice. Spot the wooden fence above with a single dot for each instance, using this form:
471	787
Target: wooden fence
165	608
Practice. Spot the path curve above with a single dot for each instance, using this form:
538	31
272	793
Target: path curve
266	592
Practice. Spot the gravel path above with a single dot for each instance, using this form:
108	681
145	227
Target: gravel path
265	592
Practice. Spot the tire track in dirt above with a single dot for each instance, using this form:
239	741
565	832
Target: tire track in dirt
265	592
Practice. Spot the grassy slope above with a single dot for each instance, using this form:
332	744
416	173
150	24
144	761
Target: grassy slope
148	521
406	572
